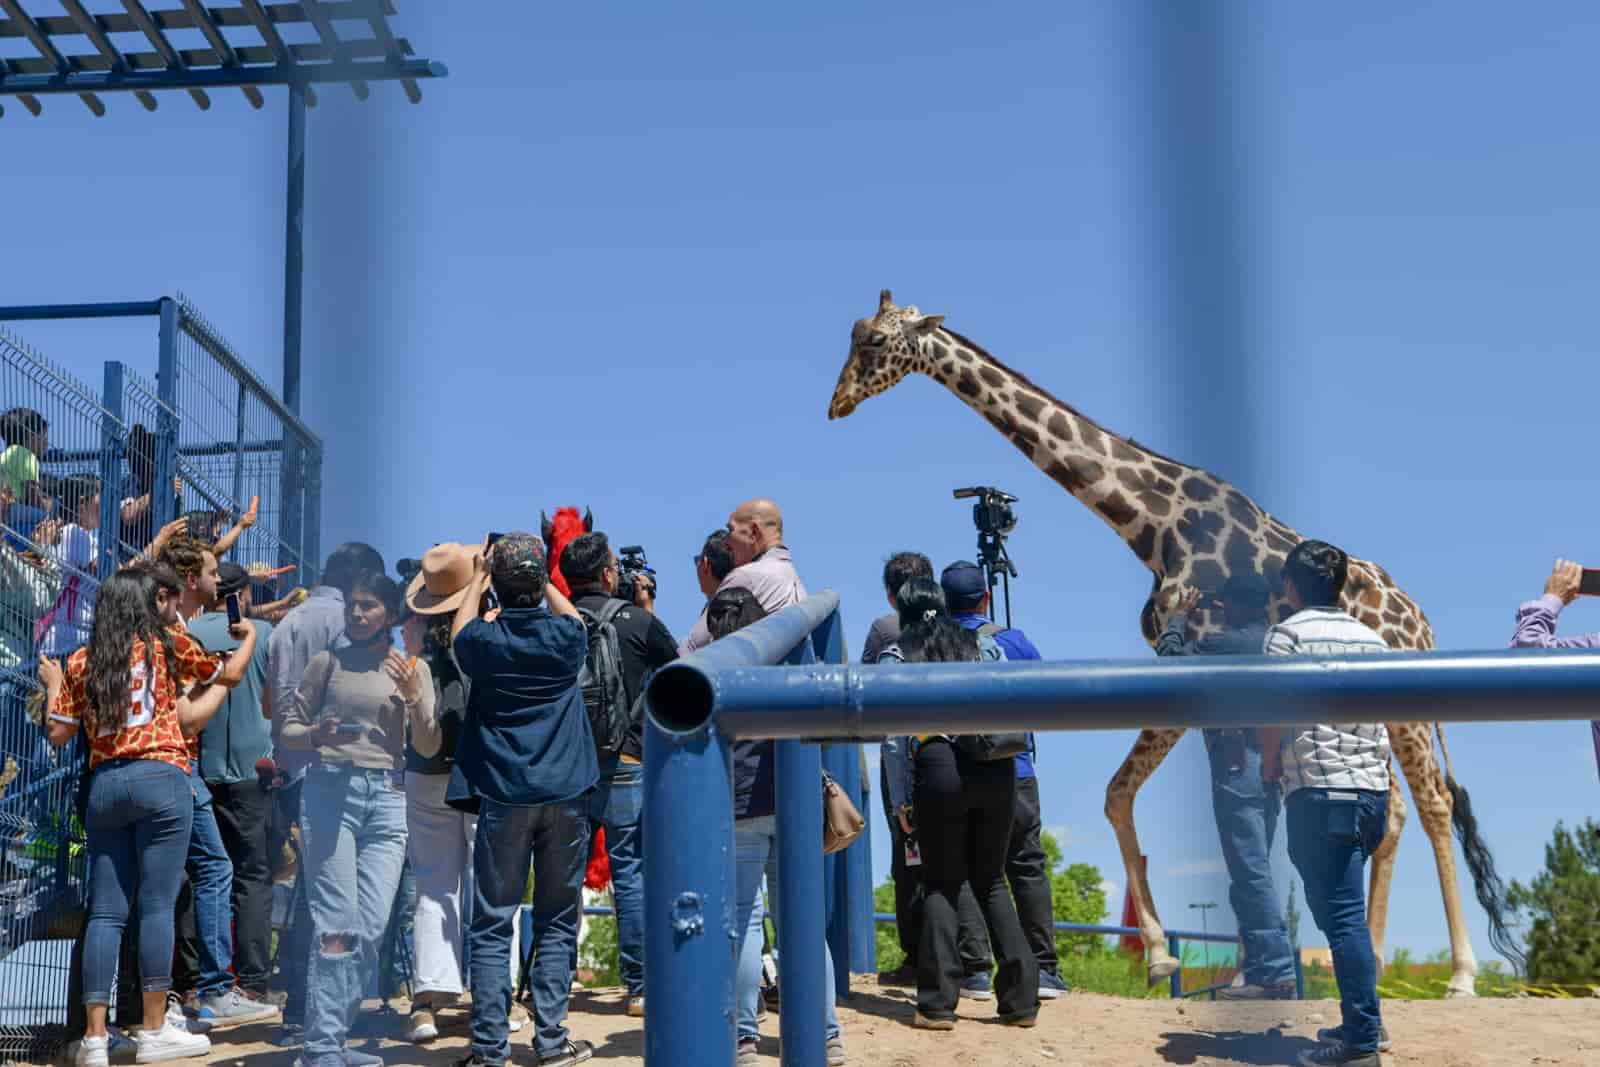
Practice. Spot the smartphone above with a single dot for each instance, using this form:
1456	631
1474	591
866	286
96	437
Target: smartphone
349	729
493	538
235	616
1589	584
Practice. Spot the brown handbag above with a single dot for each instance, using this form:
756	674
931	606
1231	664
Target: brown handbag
841	822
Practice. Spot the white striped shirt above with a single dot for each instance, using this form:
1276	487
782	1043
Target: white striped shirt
1331	755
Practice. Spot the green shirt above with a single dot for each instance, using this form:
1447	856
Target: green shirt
18	467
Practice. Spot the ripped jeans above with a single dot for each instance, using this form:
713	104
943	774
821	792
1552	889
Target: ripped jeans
353	827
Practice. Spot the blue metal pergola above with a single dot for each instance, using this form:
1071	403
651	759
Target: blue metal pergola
248	44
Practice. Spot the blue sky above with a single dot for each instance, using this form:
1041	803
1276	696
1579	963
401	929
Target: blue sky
613	261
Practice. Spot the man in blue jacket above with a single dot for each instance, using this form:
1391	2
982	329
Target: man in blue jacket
966	592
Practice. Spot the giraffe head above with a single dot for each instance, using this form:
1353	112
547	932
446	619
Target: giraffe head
883	349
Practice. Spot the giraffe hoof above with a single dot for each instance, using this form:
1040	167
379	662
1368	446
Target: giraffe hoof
1460	990
1159	971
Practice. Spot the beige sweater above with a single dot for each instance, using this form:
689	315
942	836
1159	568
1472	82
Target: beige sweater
350	685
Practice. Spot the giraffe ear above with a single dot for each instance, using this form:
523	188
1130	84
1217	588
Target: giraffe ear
924	324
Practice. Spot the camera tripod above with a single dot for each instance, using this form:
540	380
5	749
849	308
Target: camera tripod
998	570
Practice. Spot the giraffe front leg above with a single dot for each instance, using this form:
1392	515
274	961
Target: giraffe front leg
1383	871
1433	803
1148	752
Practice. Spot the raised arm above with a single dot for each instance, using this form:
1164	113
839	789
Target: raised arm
232	535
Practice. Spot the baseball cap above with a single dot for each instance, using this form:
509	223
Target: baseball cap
231	578
517	561
962	581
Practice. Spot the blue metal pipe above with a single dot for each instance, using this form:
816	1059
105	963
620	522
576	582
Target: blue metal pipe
36	312
802	928
110	471
1219	691
690	937
166	430
292	475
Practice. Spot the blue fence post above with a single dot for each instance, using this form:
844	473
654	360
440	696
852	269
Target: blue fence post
1175	946
802	933
690	936
110	471
166	433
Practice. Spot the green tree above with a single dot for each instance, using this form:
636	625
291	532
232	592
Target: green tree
890	957
1075	891
1562	908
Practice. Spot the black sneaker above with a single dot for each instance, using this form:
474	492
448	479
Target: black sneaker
571	1053
1285	991
1334	1035
1336	1055
474	1061
903	975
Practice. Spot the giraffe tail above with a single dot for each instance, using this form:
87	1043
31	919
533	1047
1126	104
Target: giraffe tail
1486	882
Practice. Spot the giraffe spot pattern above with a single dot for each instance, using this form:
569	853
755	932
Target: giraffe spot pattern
1207	574
1199	489
1059	427
967	385
1117	509
1241	510
1144	543
1029	406
1167	470
1125	452
1153	492
1075	473
1093	437
1239	554
1200	529
1171	552
993	378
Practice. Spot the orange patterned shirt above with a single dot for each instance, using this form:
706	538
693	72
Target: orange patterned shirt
195	666
149	728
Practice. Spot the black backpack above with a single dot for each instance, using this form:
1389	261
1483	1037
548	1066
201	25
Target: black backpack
605	697
991	747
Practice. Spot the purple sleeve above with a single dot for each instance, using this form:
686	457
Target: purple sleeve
1536	627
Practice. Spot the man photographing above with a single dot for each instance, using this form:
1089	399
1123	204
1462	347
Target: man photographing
1536	622
1245	807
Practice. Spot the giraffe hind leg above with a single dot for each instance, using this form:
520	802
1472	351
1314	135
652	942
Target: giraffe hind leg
1383	871
1148	752
1433	803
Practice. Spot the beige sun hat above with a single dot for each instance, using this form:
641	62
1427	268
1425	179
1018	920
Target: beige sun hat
442	584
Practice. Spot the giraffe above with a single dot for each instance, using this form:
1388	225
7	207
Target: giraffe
1189	528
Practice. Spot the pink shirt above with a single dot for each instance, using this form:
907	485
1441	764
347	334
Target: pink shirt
771	577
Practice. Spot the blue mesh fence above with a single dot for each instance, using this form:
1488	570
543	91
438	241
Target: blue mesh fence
54	432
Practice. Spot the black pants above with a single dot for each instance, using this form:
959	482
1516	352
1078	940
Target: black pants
964	810
294	941
973	939
243	810
1027	869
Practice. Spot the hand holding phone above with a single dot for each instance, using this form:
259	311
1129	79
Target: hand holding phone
235	616
1589	583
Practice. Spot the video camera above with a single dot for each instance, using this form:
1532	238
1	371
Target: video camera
631	563
995	520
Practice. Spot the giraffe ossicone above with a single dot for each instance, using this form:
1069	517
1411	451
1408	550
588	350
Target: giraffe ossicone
1189	528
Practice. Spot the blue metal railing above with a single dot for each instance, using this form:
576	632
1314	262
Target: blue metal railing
736	690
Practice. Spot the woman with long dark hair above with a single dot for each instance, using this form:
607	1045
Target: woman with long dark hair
122	690
962	812
353	709
755	839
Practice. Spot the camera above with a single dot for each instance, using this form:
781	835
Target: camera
992	513
631	563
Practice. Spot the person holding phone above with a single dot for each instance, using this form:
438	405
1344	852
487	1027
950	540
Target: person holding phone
1536	620
352	709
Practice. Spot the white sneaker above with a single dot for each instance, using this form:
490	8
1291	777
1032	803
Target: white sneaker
93	1052
171	1042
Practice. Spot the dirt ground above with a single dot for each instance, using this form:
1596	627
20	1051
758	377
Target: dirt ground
1079	1030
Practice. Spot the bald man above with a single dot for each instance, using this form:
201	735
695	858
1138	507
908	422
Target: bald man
762	564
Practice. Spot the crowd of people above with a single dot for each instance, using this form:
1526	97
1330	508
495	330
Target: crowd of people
427	744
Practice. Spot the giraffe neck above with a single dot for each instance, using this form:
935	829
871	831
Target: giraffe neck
1142	496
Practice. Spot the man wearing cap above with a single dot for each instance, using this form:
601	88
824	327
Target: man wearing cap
232	745
966	592
526	756
1536	622
1246	808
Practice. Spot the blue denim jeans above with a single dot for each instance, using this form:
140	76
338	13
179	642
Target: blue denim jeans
755	844
353	827
553	837
138	821
211	885
1247	811
618	805
1331	834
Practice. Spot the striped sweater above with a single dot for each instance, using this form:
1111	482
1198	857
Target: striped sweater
1331	755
